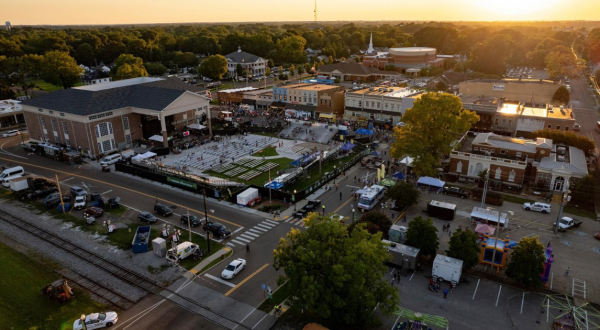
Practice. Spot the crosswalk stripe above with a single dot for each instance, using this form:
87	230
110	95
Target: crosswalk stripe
261	229
266	225
289	219
251	234
248	237
271	221
230	244
238	242
256	231
294	221
242	239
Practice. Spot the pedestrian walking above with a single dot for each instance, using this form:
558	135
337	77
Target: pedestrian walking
445	293
398	277
392	216
340	195
567	271
247	249
404	220
449	233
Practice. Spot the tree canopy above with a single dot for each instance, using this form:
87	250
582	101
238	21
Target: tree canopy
60	69
405	194
562	95
527	262
334	274
422	234
569	138
433	124
128	66
214	67
375	222
561	64
463	245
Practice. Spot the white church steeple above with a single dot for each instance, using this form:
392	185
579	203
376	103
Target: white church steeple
370	49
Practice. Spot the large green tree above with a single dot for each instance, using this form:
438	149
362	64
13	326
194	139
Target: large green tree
338	276
491	56
214	67
527	262
463	245
422	234
375	222
561	64
291	49
405	194
128	66
155	68
85	54
569	138
562	95
433	125
60	69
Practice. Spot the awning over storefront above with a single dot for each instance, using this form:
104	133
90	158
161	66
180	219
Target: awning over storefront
327	116
157	138
277	104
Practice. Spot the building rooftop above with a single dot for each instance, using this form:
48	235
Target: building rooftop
318	87
529	110
237	90
9	106
566	158
153	94
119	83
241	57
386	91
522	81
355	69
499	142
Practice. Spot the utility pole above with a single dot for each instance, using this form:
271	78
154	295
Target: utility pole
566	197
270	182
60	194
189	224
206	218
485	188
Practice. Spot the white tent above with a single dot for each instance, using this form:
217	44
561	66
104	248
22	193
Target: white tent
429	181
197	126
157	138
407	161
147	154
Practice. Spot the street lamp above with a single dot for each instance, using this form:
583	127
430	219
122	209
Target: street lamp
294	199
334	174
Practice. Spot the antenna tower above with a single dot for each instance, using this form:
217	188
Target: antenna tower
315	11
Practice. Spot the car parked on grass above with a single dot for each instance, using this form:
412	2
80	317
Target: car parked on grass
233	268
195	221
217	229
163	210
96	321
455	191
538	207
147	217
94	211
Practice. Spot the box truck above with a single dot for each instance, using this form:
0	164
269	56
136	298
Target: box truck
441	210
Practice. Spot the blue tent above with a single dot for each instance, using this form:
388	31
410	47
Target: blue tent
274	185
347	146
375	153
364	131
399	175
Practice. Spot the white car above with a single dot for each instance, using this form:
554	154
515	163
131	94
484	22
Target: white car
14	132
537	206
97	321
233	268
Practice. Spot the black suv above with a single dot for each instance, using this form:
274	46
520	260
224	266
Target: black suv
217	229
311	206
163	210
455	191
194	220
52	201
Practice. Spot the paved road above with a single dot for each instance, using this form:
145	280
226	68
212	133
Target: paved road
584	106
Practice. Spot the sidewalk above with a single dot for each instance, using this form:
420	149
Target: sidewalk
206	261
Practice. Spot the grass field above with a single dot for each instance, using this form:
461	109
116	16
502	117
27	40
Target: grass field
22	306
267	152
261	179
313	176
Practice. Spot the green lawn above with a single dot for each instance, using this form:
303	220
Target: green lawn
267	152
278	296
49	87
313	176
580	212
22	306
517	200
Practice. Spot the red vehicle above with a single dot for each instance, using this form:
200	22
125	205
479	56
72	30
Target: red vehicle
254	201
93	211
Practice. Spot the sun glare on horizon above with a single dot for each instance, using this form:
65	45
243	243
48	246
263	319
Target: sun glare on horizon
515	8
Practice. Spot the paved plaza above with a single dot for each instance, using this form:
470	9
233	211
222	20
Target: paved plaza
305	131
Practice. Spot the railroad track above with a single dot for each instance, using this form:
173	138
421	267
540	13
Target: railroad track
97	289
126	275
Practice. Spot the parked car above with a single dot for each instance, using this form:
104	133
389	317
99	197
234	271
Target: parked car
311	206
96	321
455	191
163	210
567	223
195	221
80	202
94	211
147	217
51	201
538	207
78	191
13	132
217	229
233	268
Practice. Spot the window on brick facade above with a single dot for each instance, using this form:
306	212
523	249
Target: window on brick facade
511	176
103	129
64	127
558	127
126	123
459	166
498	174
128	139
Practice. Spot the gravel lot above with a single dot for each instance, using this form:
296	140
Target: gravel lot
135	262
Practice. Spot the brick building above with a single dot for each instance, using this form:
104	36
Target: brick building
535	91
103	118
403	58
356	72
380	105
310	100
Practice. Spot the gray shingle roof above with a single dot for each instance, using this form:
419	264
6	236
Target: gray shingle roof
242	57
153	96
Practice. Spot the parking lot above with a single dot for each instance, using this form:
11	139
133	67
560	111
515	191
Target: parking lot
576	249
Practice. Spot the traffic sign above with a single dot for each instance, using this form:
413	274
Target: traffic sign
264	287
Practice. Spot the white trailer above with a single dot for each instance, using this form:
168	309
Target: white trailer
246	196
447	269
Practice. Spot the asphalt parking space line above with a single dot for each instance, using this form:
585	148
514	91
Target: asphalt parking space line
113	185
499	291
106	192
271	221
247	236
246	279
261	229
214	278
255	231
251	234
476	287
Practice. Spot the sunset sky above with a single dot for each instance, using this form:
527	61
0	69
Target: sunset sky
63	12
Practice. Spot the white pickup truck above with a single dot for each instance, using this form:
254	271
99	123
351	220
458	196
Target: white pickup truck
567	223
